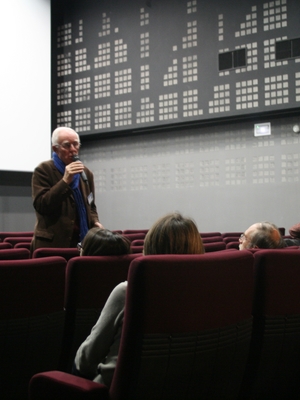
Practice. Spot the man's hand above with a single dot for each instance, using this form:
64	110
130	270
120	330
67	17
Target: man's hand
71	170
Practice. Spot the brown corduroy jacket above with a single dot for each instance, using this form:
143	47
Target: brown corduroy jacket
55	206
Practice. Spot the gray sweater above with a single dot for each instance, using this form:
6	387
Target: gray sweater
97	356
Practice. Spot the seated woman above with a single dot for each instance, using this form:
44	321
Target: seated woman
96	358
103	242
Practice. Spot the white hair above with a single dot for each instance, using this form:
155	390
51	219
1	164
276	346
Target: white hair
56	133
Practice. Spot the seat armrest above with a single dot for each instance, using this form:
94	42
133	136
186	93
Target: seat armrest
63	386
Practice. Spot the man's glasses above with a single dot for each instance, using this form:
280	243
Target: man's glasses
67	145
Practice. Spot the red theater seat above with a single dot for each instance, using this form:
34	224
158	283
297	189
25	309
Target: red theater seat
5	234
5	245
132	231
13	240
31	319
212	239
233	245
209	234
273	366
22	245
186	332
14	254
65	252
89	282
216	246
135	236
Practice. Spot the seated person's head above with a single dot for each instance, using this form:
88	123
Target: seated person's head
261	235
103	242
173	234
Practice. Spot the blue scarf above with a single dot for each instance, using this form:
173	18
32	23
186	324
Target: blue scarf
83	226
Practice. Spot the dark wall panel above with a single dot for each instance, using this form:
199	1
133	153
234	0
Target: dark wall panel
124	66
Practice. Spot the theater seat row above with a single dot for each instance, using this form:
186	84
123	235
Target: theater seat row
194	310
213	241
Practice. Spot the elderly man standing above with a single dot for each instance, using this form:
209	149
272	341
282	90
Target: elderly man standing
63	195
261	235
